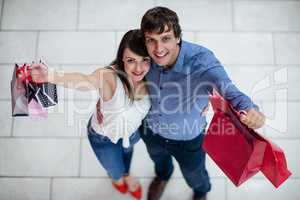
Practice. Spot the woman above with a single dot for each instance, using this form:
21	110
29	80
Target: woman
124	103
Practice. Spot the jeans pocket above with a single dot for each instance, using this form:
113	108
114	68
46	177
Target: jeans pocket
194	145
192	149
96	137
103	138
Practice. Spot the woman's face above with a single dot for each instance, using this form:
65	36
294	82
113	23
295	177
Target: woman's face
135	66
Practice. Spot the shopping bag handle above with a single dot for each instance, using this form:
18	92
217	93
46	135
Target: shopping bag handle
23	72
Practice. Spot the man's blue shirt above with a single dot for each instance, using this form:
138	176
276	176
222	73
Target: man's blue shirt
179	95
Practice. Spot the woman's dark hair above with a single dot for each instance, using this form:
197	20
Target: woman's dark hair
155	19
133	40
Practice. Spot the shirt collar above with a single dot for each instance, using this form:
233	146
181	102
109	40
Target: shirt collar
179	64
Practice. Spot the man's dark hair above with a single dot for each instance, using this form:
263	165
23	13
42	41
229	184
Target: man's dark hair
155	20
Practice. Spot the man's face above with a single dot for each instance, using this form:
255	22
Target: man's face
163	48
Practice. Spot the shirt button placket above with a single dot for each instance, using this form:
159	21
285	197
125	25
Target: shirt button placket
160	86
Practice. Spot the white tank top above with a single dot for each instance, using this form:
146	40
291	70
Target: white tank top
121	118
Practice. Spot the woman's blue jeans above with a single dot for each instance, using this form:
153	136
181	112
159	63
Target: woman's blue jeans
114	158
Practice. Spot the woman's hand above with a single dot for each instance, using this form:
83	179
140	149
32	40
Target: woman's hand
39	73
253	119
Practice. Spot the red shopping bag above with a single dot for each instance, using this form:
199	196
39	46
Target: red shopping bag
240	151
231	146
19	91
26	94
274	166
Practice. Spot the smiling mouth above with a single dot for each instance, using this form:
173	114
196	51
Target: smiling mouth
159	56
137	74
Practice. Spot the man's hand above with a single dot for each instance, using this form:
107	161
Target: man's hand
253	119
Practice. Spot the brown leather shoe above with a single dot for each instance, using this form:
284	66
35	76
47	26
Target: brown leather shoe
199	198
156	189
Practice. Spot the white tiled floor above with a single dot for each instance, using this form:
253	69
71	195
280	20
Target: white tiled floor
55	14
281	16
52	159
287	45
18	46
115	14
68	47
237	48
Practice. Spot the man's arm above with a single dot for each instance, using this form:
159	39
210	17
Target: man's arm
216	74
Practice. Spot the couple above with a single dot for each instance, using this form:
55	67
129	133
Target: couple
156	89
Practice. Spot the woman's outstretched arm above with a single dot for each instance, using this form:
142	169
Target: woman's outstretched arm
94	81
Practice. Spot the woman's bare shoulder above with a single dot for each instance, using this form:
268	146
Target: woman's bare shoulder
109	83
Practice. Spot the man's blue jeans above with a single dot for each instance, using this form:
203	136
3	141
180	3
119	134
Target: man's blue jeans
189	155
114	158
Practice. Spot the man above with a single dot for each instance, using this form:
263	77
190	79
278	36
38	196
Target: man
181	77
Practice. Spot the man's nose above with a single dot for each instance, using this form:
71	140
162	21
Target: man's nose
158	47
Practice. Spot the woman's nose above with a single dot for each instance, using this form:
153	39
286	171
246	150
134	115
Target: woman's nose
139	67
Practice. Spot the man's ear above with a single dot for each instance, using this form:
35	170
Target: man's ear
178	40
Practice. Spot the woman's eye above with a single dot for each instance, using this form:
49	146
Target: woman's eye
149	40
146	60
130	61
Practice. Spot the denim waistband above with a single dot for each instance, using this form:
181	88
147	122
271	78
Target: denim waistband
134	137
166	141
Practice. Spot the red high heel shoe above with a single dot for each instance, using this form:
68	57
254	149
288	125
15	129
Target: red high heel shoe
121	188
137	194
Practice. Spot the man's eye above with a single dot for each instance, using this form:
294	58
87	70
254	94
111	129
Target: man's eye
165	39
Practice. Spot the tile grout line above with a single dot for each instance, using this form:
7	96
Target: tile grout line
78	15
231	65
95	30
1	16
206	31
232	17
37	45
141	177
116	43
12	127
46	137
80	157
76	138
274	49
296	1
51	188
88	100
68	64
